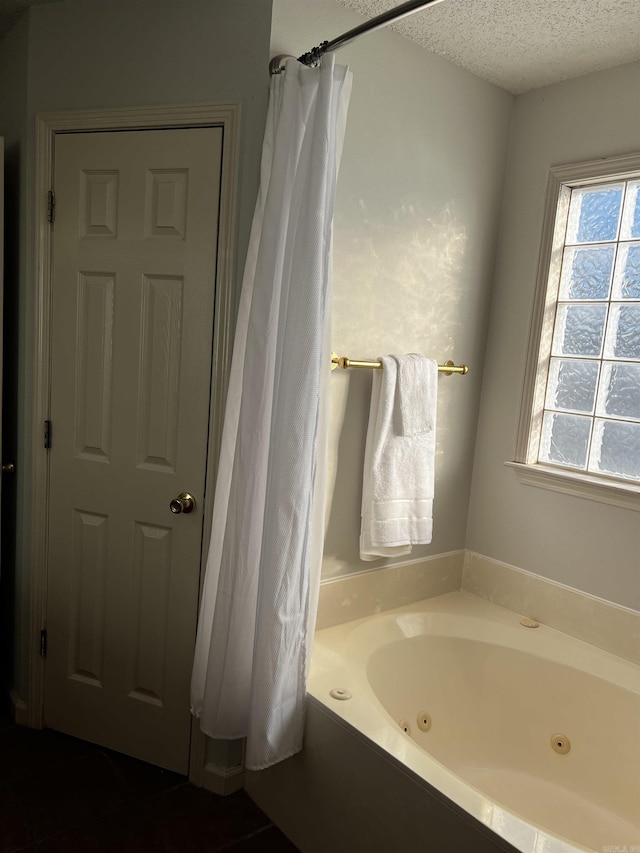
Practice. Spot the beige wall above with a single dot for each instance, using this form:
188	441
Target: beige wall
86	55
13	127
415	231
591	546
416	227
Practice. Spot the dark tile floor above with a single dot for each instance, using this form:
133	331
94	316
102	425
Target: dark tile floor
62	795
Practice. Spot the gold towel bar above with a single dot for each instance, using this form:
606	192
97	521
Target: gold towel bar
448	368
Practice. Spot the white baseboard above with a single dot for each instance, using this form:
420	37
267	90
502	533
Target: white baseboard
20	709
222	780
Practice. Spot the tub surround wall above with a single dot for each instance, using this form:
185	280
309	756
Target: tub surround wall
601	623
415	231
343	792
366	593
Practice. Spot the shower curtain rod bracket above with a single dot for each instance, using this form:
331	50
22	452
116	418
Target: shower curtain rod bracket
277	64
312	57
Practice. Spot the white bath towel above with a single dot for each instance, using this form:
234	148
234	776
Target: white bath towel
399	466
417	389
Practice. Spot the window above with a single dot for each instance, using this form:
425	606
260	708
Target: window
582	404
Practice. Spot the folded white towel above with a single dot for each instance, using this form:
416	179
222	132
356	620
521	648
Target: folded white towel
398	481
417	390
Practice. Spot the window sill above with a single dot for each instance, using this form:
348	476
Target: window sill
626	495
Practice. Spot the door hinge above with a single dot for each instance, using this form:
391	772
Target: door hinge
43	642
47	435
51	206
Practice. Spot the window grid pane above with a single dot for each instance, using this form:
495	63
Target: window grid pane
572	385
626	283
579	329
616	449
586	272
631	215
565	440
594	214
591	414
619	391
622	340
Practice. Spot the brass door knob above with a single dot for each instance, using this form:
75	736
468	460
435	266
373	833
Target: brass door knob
183	503
9	468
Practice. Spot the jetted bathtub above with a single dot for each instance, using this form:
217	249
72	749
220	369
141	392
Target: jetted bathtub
533	733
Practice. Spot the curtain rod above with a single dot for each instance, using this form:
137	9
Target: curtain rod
312	57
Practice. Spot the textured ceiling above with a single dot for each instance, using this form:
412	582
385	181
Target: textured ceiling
522	44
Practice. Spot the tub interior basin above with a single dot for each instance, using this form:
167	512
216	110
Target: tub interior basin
544	739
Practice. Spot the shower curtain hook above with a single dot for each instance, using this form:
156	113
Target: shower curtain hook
312	57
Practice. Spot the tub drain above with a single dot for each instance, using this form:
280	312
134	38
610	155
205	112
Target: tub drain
560	743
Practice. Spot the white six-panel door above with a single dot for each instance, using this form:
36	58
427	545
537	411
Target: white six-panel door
133	289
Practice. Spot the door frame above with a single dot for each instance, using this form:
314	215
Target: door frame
224	115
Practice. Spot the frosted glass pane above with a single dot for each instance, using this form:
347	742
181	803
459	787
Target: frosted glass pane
620	391
565	439
591	412
572	385
616	449
631	217
586	273
594	214
579	329
627	278
623	331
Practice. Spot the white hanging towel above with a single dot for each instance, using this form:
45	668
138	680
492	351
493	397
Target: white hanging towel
399	461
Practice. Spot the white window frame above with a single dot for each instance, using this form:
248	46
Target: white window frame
562	180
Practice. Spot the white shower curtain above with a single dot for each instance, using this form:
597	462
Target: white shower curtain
258	605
